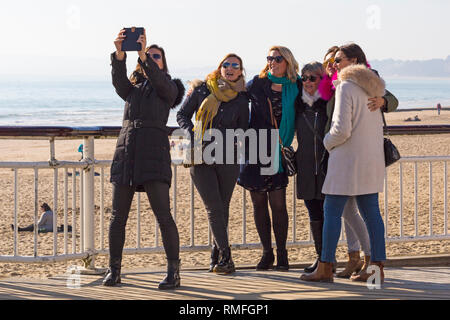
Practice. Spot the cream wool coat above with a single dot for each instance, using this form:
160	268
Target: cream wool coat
355	140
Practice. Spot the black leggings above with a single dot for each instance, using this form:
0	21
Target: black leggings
215	184
277	200
158	195
315	209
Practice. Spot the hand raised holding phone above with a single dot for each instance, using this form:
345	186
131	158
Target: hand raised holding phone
131	39
120	55
143	41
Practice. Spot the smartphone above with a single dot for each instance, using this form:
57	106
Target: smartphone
132	35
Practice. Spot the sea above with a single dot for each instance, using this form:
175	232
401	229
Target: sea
37	102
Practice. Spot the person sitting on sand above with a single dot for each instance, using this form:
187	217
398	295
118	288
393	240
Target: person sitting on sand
45	223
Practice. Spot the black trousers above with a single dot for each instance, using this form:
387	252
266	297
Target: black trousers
315	209
158	195
215	184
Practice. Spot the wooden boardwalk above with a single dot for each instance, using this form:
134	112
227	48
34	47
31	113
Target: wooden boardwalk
400	283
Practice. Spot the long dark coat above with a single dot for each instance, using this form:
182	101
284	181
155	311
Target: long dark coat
310	176
143	151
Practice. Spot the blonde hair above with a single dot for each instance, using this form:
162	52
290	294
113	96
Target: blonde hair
292	64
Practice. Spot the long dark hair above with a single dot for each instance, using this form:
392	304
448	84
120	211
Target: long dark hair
352	50
138	73
46	207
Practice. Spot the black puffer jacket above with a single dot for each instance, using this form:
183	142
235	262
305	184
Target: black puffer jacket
233	114
142	151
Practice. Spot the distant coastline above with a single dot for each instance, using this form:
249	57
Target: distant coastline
421	109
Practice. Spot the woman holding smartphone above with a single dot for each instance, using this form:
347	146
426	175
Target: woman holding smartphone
142	156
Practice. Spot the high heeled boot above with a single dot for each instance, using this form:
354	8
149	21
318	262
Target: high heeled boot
266	261
172	279
354	265
323	273
113	274
282	260
214	257
226	264
316	231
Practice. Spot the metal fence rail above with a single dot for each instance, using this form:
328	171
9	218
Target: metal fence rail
87	247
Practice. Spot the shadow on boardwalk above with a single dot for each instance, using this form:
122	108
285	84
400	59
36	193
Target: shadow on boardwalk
400	283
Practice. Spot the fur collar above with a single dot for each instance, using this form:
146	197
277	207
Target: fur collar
181	91
365	78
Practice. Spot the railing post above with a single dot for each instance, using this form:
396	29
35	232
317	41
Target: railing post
89	218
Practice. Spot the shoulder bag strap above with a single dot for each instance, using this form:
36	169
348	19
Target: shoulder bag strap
274	121
385	125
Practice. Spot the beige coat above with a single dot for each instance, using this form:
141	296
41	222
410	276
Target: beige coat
355	140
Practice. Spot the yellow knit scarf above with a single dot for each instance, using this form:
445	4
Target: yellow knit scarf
222	90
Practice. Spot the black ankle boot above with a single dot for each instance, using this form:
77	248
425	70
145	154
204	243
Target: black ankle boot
266	261
316	230
226	264
113	274
282	260
172	280
214	257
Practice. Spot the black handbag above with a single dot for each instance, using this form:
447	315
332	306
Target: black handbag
391	153
287	153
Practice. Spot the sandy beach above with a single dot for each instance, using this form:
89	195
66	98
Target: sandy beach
28	150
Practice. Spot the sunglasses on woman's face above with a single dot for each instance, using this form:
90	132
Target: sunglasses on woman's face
234	65
278	59
328	61
338	60
310	78
155	56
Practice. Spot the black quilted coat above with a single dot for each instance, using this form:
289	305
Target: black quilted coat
142	151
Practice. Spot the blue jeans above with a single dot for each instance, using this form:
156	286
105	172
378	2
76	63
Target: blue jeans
370	211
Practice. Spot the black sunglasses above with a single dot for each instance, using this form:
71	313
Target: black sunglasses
278	59
156	56
310	78
337	60
234	65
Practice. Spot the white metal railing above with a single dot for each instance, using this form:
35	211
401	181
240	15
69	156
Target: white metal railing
88	249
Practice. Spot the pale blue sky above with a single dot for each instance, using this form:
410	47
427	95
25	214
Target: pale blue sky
76	37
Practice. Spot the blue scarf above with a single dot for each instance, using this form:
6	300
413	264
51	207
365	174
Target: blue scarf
287	124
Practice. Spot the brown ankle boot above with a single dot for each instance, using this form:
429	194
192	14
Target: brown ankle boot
323	273
366	263
354	264
364	275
